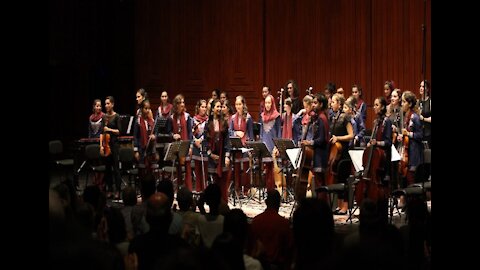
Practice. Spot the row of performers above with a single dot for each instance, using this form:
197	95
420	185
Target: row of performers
209	134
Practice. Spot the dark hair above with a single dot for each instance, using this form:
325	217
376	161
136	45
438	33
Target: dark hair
383	102
142	92
359	88
322	99
295	88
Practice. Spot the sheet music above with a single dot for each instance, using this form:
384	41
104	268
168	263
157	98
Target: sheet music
356	156
292	155
395	154
130	125
244	150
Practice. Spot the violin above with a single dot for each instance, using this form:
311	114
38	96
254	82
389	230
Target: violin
403	151
105	141
280	92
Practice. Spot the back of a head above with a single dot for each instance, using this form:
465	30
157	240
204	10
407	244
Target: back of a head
166	187
184	198
212	195
370	218
129	196
147	188
236	223
158	213
313	215
273	199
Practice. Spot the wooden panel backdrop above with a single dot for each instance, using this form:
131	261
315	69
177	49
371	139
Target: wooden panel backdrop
112	47
191	46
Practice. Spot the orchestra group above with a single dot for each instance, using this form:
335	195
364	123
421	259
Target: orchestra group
326	123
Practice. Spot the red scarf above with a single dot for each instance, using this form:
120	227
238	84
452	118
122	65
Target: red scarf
144	134
183	126
268	116
359	104
165	112
95	117
217	144
242	126
287	130
200	119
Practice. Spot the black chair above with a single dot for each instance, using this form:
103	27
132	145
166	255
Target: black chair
422	185
128	164
56	152
343	175
92	154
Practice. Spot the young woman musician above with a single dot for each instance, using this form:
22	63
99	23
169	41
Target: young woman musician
111	125
426	111
270	129
361	109
287	120
395	114
165	108
318	135
140	96
241	125
356	119
181	128
383	141
95	120
199	153
341	130
217	143
144	138
412	128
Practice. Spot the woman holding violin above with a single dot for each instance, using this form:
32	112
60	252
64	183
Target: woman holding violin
341	134
145	138
109	147
413	132
395	114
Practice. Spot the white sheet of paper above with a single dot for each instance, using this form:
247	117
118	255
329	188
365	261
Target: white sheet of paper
292	155
356	156
395	154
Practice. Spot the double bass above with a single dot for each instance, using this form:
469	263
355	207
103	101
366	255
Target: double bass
305	160
373	161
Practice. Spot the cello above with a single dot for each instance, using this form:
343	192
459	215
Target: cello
373	161
305	160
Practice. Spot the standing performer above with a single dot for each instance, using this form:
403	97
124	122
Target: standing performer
413	133
270	129
181	128
395	114
199	153
95	120
357	92
426	111
217	139
241	125
111	127
144	139
341	134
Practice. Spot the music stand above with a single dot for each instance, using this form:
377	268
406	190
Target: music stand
237	145
282	146
176	150
260	151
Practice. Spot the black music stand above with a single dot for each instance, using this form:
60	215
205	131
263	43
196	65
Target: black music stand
260	151
176	150
237	146
282	146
